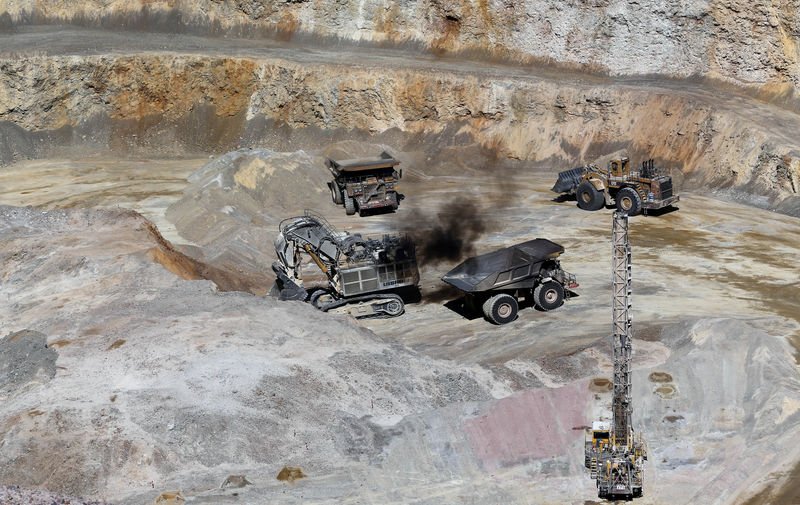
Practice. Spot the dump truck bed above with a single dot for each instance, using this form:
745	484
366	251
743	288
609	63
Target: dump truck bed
502	268
385	160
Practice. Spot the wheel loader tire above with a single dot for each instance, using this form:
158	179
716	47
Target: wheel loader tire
588	197
548	296
629	201
336	193
349	205
501	309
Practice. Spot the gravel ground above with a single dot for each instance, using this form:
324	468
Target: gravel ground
26	361
15	495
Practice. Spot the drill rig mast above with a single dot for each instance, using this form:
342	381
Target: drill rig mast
614	455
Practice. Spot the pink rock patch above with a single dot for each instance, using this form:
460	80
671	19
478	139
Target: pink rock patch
531	425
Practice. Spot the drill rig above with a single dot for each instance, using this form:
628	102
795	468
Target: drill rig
615	455
362	274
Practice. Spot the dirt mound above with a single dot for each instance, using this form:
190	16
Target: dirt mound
189	268
234	203
166	382
26	221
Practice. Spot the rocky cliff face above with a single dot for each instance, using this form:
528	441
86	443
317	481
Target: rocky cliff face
181	103
746	42
173	94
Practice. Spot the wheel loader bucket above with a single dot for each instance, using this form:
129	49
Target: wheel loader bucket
568	180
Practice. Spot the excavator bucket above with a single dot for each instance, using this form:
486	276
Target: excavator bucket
285	288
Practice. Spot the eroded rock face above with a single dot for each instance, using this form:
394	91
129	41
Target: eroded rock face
745	42
174	104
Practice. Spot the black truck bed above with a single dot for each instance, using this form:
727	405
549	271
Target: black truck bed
385	160
503	268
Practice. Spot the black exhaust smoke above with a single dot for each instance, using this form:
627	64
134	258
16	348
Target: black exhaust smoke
456	227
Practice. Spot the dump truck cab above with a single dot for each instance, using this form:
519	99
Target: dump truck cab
366	183
632	190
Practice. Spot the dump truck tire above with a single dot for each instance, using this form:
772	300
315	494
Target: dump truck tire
393	199
501	309
629	201
336	194
349	205
588	197
548	296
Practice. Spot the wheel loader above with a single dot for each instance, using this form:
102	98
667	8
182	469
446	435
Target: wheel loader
632	191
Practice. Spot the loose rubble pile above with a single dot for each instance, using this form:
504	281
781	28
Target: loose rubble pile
15	495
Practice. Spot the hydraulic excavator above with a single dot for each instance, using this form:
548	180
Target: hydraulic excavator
363	274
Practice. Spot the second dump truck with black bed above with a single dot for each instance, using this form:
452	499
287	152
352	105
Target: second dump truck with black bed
495	282
365	184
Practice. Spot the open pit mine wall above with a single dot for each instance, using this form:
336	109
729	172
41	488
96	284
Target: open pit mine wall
188	104
749	42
